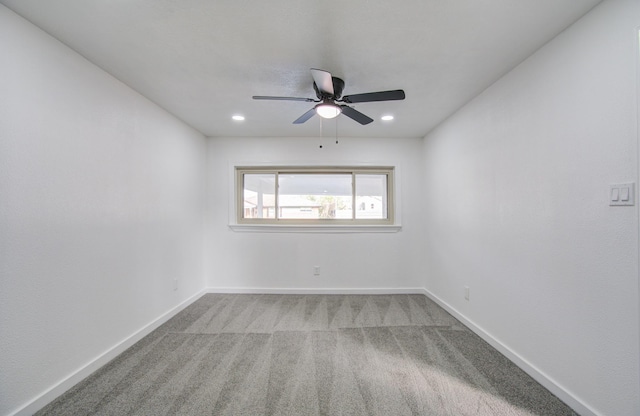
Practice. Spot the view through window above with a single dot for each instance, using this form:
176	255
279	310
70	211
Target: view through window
315	195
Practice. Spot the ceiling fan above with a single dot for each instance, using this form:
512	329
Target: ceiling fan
329	92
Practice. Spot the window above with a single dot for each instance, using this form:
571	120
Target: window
314	196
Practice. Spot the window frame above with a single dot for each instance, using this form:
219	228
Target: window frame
309	224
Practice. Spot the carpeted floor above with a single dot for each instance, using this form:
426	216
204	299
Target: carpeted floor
310	355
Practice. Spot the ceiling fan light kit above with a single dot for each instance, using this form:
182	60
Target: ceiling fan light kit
328	109
329	92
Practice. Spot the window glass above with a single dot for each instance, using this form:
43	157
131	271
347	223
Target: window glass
371	196
259	190
315	196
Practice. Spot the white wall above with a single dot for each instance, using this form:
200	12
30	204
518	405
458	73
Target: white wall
101	203
249	260
517	187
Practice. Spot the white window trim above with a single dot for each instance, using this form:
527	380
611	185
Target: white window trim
314	228
329	229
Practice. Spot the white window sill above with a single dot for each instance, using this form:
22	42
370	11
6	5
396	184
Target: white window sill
333	229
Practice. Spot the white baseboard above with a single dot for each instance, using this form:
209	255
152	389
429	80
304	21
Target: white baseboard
60	388
563	394
318	291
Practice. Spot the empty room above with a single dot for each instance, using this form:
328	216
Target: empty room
319	208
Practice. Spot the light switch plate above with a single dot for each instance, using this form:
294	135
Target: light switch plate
622	194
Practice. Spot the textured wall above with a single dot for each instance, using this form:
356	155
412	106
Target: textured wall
100	209
516	207
285	260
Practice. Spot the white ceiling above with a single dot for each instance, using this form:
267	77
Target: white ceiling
203	60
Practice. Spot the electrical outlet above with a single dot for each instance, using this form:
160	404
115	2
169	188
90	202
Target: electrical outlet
316	270
466	292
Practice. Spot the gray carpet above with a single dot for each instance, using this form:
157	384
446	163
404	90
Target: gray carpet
310	355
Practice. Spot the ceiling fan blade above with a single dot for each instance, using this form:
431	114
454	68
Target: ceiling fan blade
266	97
323	80
306	116
374	96
355	115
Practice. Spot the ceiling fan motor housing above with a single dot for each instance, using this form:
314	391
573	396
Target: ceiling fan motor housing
338	87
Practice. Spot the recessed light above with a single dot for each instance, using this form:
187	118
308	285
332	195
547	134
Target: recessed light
387	118
238	117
